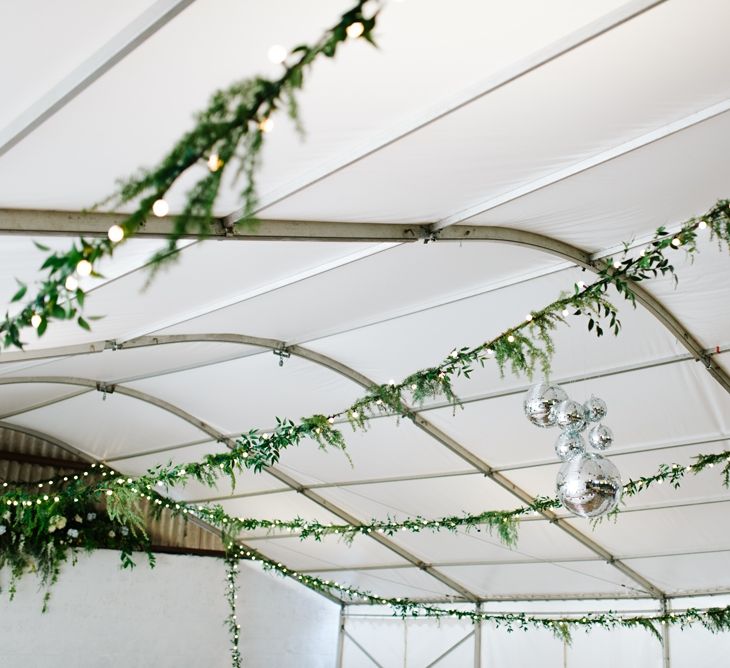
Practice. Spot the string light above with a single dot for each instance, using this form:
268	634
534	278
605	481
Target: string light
160	208
214	162
71	284
115	234
676	242
702	225
84	268
266	125
277	54
36	320
354	30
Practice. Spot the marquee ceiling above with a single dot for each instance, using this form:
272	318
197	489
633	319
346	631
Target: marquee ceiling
591	123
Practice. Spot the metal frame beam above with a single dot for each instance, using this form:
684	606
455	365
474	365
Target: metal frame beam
122	44
317	231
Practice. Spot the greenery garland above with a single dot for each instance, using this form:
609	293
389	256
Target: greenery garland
28	541
713	619
234	628
526	348
229	131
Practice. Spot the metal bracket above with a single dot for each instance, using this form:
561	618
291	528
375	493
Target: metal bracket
112	344
428	233
282	354
228	226
104	389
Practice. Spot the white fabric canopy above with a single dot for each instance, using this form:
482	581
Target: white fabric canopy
467	114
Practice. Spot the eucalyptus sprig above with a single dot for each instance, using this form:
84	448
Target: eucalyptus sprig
228	134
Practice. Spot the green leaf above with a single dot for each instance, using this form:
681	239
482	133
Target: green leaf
20	293
40	246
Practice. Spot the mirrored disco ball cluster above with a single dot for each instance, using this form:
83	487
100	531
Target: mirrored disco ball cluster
588	484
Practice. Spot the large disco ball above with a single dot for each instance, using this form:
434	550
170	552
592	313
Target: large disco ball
570	416
595	409
569	445
540	402
589	485
600	437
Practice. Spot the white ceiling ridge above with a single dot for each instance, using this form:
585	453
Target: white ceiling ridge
587	164
144	26
436	112
298	277
503	562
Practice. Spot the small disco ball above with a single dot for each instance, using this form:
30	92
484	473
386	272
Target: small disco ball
540	402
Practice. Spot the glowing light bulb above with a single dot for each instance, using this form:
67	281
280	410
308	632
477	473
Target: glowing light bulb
511	338
71	284
115	234
36	320
214	162
277	54
528	317
83	268
676	242
160	208
354	30
566	312
266	125
702	225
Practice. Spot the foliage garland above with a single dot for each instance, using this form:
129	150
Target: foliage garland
28	503
526	348
229	131
234	628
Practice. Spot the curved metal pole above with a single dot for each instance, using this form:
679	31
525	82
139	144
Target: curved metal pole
222	438
584	259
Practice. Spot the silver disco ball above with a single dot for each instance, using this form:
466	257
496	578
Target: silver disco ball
569	445
600	437
589	485
540	402
570	416
595	409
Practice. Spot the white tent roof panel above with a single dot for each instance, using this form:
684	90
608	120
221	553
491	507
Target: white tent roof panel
108	428
406	582
499	142
18	398
121	365
630	195
386	450
247	481
330	552
587	577
49	54
538	541
253	391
